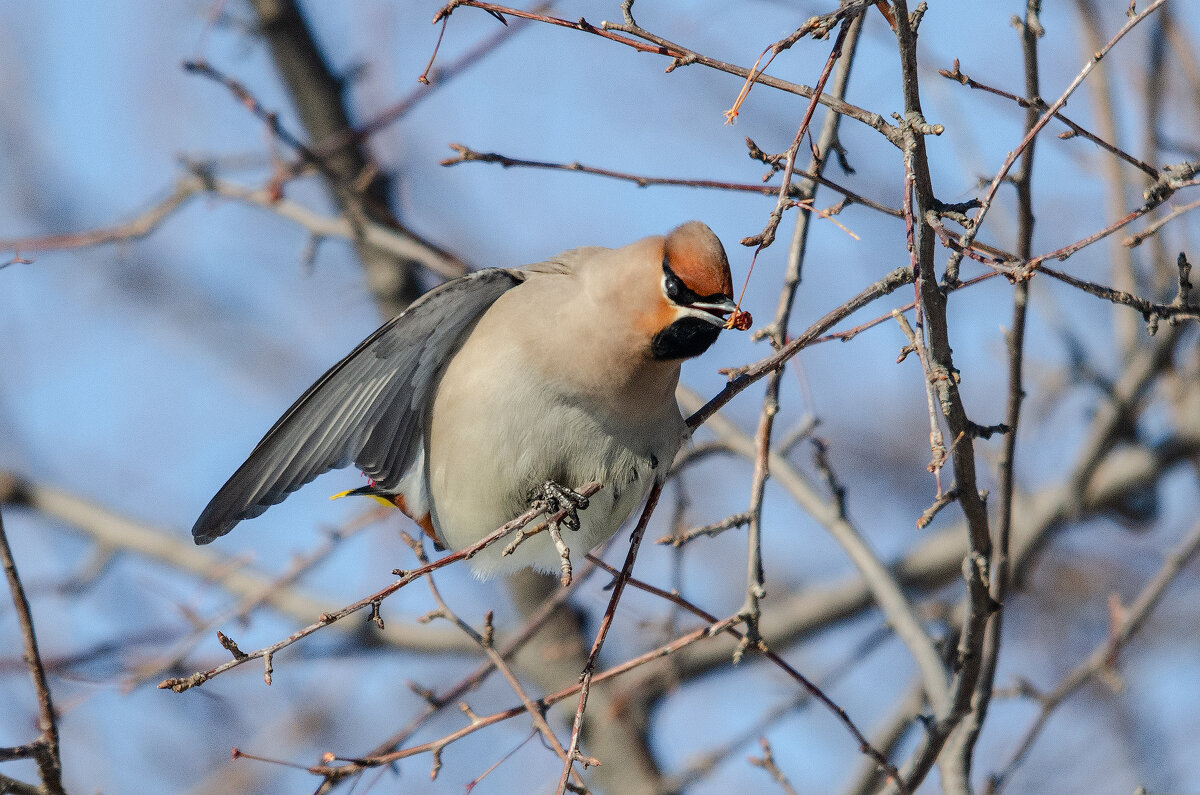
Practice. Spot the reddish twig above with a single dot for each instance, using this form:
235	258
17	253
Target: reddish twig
767	236
1138	238
585	676
729	627
483	721
468	155
581	24
438	701
1038	104
683	56
177	653
1049	114
818	27
267	653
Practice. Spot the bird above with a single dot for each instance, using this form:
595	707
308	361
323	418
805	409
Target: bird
506	386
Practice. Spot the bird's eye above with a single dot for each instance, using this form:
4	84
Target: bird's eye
674	287
671	284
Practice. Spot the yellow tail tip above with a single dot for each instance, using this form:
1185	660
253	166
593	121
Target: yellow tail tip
362	493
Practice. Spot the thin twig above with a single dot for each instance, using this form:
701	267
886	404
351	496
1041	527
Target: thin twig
729	626
764	238
180	684
767	763
1152	229
483	721
438	701
250	102
1055	107
485	640
681	56
743	377
1036	103
468	155
937	445
1172	312
709	530
700	766
1104	656
200	182
45	749
581	24
177	653
585	676
430	81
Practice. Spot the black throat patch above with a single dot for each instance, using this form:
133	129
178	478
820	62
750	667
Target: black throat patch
683	339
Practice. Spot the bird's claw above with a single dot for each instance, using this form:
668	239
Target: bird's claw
552	499
556	498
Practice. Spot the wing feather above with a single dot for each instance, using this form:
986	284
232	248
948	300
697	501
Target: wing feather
370	408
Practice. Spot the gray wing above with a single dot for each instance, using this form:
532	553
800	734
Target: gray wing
370	408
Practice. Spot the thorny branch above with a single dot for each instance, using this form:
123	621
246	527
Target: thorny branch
180	684
683	56
730	628
485	640
468	155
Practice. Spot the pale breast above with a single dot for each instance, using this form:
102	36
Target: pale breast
506	420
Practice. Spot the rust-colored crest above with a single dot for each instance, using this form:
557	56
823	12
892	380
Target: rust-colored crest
697	257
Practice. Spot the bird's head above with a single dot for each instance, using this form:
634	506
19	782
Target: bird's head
695	296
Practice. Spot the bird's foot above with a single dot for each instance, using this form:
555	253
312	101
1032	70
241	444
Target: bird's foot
559	499
561	506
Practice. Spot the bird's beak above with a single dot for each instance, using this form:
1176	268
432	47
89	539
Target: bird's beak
714	312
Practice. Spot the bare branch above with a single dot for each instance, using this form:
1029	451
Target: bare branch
180	684
200	182
45	749
1104	656
114	532
1036	103
468	155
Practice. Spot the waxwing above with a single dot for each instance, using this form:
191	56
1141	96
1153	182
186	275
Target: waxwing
463	407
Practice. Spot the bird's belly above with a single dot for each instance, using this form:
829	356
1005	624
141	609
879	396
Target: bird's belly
490	451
